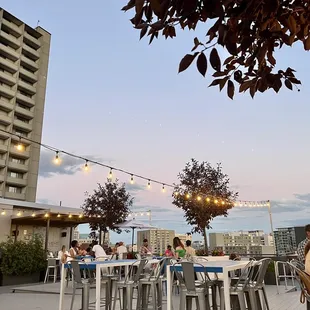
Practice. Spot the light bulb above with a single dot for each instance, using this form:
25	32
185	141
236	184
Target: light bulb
216	201
80	216
188	196
141	214
129	215
163	188
57	159
199	198
46	215
110	174
99	215
20	147
149	184
58	215
70	216
223	202
3	212
176	194
148	213
86	168
131	179
208	199
19	213
33	214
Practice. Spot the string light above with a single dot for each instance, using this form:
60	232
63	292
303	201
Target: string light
131	179
70	216
57	159
46	215
163	188
80	216
33	214
58	215
3	212
223	202
111	174
208	199
19	213
198	198
216	201
149	184
188	196
86	168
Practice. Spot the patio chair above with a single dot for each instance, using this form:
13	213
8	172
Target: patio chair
287	274
128	285
51	265
153	283
190	288
81	283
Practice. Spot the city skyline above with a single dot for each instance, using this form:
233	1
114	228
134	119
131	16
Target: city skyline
121	101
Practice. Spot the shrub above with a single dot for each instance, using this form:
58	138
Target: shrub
21	258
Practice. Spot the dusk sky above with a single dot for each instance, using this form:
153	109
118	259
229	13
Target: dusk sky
118	99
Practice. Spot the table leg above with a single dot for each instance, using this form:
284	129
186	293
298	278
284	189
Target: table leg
169	288
98	286
62	286
226	289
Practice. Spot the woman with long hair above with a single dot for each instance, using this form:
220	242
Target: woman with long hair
179	248
307	258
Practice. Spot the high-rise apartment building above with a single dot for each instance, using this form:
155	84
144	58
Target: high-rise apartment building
158	239
24	56
288	238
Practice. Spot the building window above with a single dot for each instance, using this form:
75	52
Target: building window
21	133
24	93
14	189
16	175
17	160
22	119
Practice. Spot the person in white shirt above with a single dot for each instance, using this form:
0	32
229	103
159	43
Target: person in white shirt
98	250
189	250
62	254
121	251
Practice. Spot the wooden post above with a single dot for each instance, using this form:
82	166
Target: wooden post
46	234
70	236
16	233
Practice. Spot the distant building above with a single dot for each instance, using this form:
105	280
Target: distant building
288	238
158	239
85	239
198	244
241	242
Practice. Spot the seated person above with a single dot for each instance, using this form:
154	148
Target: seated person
168	252
145	250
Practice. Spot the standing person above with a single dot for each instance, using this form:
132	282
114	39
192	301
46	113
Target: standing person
302	245
145	250
179	249
122	251
98	250
190	251
168	252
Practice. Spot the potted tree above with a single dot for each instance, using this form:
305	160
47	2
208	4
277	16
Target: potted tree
270	277
21	262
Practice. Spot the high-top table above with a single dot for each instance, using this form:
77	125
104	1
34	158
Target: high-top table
222	267
97	265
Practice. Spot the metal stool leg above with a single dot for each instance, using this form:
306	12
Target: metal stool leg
73	297
85	296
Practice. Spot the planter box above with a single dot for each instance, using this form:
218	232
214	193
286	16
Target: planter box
17	280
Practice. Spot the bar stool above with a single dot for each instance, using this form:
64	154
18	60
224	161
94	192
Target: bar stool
153	284
128	285
51	265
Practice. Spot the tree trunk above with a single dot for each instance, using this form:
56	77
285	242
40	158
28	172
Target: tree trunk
205	241
104	233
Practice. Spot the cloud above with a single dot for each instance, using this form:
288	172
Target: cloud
134	187
69	165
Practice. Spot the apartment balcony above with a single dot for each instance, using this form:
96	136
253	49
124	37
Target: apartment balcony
28	63
9	52
7	78
10	40
28	88
13	28
22	154
4	135
28	75
22	125
5	119
32	40
25	100
8	65
16	181
2	164
17	167
24	112
29	51
3	148
6	106
17	196
7	92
